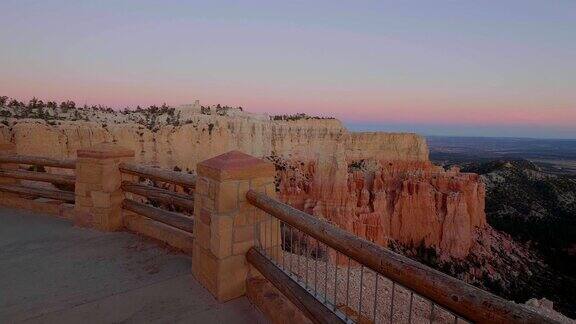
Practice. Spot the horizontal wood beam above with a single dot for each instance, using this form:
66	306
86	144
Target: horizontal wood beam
179	178
170	218
310	306
467	301
38	176
162	195
175	237
67	196
37	160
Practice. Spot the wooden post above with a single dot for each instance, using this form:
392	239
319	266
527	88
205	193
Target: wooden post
8	149
224	222
98	186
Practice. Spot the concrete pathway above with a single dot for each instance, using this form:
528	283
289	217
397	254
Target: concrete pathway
52	272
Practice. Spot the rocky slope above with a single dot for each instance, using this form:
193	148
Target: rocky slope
531	204
537	208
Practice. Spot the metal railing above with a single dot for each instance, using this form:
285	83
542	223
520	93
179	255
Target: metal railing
355	293
362	282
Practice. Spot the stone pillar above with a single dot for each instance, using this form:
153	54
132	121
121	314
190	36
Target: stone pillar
98	193
225	223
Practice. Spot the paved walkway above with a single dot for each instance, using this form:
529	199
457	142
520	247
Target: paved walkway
52	272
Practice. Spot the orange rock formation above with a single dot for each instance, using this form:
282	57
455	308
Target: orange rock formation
412	202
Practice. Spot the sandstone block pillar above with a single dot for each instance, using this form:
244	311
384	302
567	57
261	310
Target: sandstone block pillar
226	225
98	193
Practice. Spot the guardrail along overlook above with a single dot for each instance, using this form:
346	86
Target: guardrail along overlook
243	241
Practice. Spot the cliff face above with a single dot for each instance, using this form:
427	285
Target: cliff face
411	202
396	193
207	136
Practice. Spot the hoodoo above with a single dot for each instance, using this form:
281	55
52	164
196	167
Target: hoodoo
411	202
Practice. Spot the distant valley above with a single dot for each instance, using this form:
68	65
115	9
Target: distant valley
551	155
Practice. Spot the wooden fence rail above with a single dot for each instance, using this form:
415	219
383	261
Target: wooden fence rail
158	194
179	178
66	196
38	176
455	295
170	218
35	160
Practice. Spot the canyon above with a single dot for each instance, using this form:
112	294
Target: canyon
380	186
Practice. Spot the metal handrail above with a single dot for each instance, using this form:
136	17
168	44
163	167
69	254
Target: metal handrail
463	299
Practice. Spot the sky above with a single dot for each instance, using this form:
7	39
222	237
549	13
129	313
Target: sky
470	68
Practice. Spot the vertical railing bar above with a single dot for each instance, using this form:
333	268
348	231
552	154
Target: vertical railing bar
347	285
335	279
306	260
446	310
410	307
270	251
300	253
281	229
291	248
432	304
375	296
361	287
265	236
326	275
297	255
278	241
392	302
271	239
265	244
316	265
455	319
272	230
284	240
256	233
260	236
